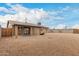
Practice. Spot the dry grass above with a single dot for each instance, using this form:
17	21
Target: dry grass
50	44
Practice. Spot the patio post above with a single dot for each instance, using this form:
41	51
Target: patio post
31	31
16	31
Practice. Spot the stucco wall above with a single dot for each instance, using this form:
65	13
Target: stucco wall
37	31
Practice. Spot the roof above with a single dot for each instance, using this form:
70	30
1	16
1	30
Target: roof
25	24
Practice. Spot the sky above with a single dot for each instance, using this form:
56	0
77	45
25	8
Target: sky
52	15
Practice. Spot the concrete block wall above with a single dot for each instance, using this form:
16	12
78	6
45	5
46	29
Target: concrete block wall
62	30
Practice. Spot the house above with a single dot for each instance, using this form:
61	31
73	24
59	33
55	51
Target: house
24	28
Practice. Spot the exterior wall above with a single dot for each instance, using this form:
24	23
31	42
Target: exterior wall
36	31
33	31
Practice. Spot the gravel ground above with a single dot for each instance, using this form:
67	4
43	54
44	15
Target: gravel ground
51	44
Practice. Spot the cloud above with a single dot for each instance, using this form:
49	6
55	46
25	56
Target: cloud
52	27
3	9
58	18
18	12
76	26
66	8
32	15
23	14
19	8
60	26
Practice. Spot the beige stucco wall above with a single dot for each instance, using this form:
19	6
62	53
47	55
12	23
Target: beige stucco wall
36	31
40	30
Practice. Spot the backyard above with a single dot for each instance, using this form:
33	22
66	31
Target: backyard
50	44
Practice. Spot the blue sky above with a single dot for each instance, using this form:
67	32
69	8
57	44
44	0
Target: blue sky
54	14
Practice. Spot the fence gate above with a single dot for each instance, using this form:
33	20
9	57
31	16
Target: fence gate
7	32
76	31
